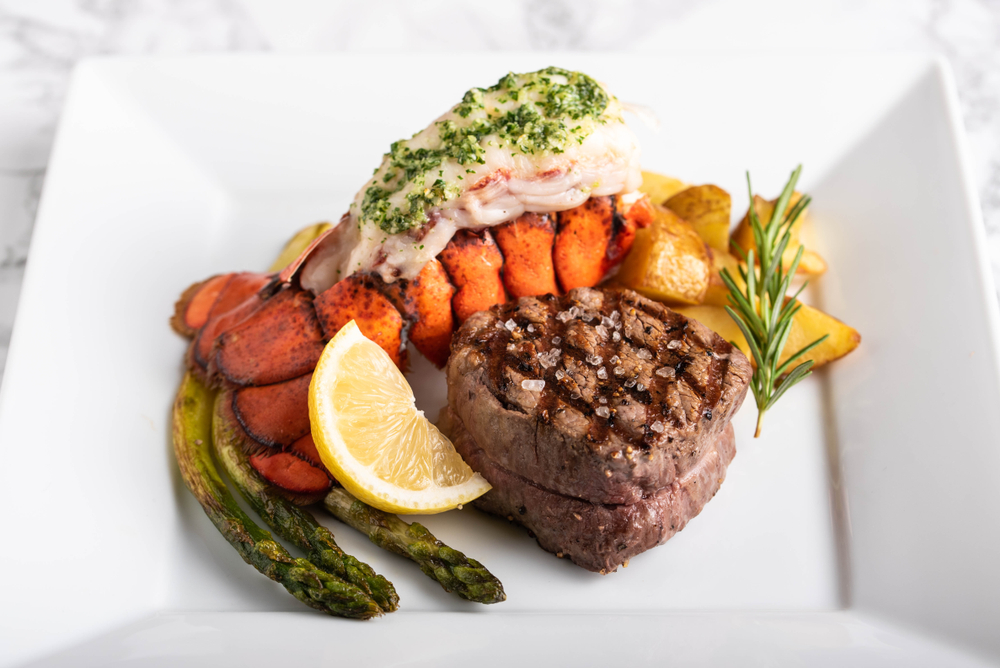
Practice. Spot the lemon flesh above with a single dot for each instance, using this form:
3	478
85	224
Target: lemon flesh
373	439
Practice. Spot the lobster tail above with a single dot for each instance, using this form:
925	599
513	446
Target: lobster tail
261	335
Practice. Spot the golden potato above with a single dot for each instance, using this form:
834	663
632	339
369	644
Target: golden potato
668	261
298	243
708	209
812	264
717	293
660	188
809	324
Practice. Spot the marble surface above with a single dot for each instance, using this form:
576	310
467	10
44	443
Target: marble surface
41	40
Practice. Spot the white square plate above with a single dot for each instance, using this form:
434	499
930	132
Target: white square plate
862	529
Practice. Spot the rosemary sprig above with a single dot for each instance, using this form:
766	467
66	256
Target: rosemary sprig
761	309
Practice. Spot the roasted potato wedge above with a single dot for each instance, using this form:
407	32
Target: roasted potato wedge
717	293
669	261
660	188
708	208
812	264
809	324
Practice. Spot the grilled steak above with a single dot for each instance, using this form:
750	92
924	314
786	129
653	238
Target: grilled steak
599	397
597	536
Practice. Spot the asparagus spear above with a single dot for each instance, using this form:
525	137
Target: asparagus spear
453	570
314	587
292	523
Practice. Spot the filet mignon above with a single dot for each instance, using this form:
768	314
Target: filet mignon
599	403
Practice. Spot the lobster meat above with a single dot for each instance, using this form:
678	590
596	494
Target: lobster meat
261	335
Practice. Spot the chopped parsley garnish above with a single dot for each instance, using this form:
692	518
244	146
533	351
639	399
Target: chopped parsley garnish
541	112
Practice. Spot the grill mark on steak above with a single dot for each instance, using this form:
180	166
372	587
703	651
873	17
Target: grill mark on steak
514	356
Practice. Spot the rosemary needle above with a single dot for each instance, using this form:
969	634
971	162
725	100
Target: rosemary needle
761	309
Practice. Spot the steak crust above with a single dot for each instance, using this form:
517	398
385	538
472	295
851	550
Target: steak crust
634	394
598	537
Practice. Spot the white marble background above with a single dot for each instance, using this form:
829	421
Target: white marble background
41	40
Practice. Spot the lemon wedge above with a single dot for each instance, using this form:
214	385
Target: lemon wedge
372	438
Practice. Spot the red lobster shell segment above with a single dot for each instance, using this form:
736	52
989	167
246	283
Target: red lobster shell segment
281	339
426	301
359	298
236	299
260	335
526	245
474	262
275	415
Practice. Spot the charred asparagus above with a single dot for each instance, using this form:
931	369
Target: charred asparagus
290	522
192	425
453	570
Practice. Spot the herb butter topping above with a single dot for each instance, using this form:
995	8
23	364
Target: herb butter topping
544	141
541	112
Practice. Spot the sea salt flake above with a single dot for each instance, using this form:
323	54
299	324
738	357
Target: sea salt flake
563	316
549	359
587	317
630	382
644	354
665	372
619	371
594	360
602	373
533	385
674	345
602	400
510	325
560	374
640	387
556	340
602	330
575	311
607	322
615	359
657	427
603	411
615	336
531	328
